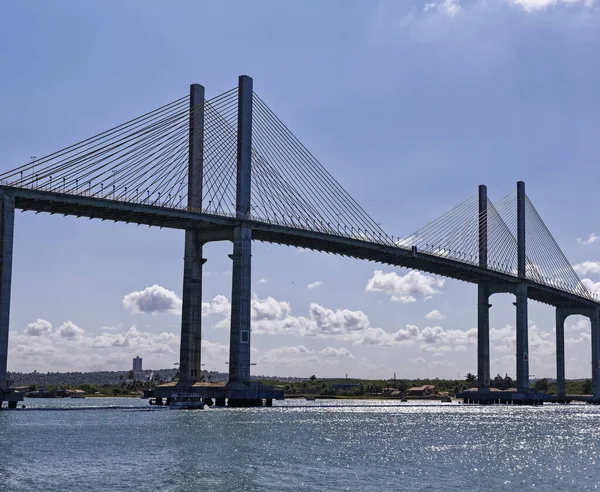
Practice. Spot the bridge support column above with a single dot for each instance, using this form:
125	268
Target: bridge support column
190	363
522	339
595	328
190	367
483	295
7	222
483	338
239	341
521	293
560	352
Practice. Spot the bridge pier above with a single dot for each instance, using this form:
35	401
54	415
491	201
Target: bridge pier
561	316
595	329
190	367
7	222
522	338
521	294
483	305
483	338
239	341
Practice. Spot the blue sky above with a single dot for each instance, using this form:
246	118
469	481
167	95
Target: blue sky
410	105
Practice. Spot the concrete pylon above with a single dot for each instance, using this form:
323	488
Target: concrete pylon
239	341
483	306
521	294
191	309
7	223
595	336
561	316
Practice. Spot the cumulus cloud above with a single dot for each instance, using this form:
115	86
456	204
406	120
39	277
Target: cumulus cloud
70	331
412	334
301	358
263	281
338	322
71	348
404	288
587	268
591	239
219	305
435	314
38	328
153	300
314	285
272	317
336	353
593	287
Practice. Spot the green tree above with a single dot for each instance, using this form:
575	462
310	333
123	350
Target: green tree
313	377
88	388
542	384
471	378
130	374
586	387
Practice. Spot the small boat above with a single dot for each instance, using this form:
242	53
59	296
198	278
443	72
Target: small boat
310	398
187	401
404	400
447	400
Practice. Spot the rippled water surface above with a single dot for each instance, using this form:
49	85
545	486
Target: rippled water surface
123	444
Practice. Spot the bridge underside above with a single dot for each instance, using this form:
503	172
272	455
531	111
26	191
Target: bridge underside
220	228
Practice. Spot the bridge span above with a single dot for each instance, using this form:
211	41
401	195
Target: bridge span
227	169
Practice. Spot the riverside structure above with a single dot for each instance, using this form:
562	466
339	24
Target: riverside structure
227	169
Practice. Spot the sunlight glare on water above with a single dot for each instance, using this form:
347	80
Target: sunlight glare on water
329	445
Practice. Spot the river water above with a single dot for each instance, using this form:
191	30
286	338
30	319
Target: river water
123	444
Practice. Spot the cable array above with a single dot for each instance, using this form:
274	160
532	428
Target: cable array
545	262
142	160
291	188
146	160
220	154
455	235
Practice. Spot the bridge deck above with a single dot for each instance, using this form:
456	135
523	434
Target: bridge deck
218	227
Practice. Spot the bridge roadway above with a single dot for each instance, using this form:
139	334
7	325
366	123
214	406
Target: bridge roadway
220	228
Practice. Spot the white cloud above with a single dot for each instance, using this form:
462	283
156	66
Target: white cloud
153	300
219	305
411	334
591	239
314	285
338	322
336	353
435	314
300	358
587	268
70	331
442	363
448	7
534	5
593	287
420	360
263	281
38	328
71	348
404	288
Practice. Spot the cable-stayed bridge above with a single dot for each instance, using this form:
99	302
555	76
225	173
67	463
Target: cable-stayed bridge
227	169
